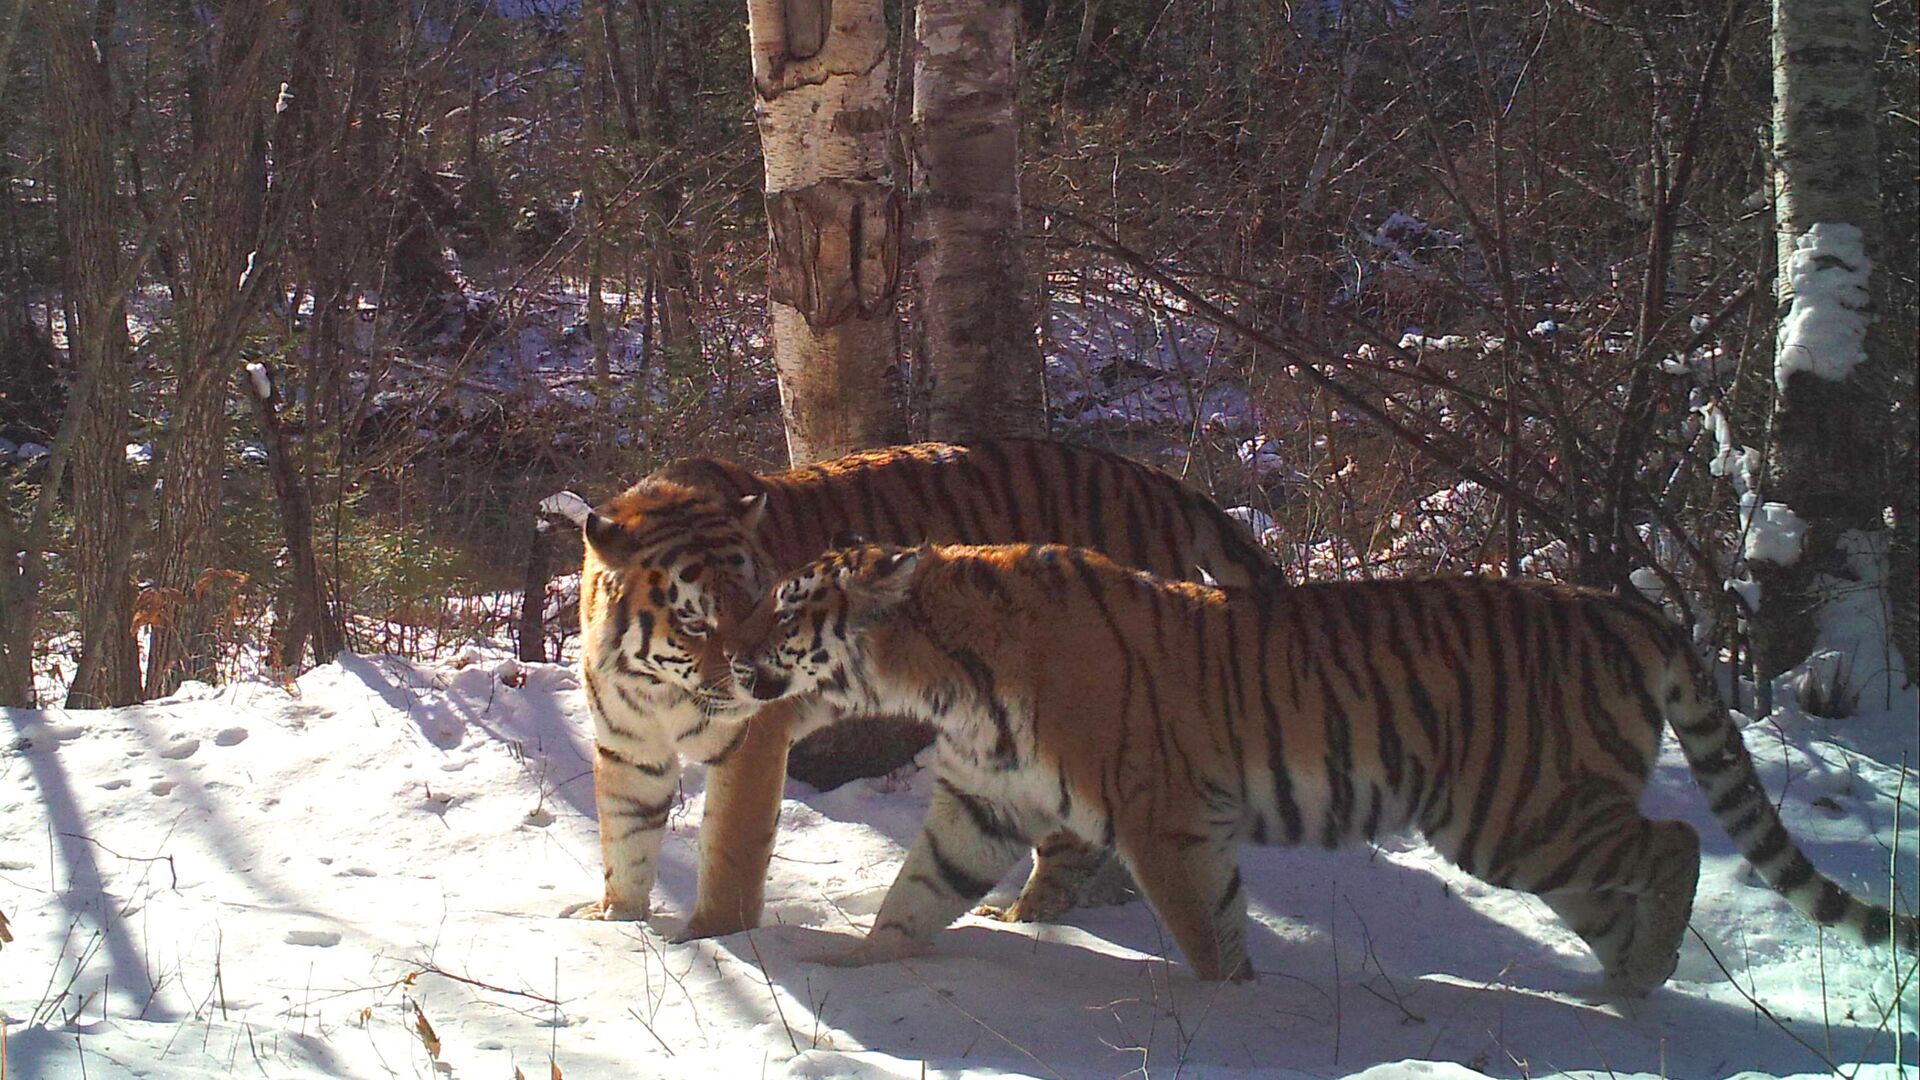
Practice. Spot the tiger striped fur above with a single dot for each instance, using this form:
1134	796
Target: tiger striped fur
1512	723
673	561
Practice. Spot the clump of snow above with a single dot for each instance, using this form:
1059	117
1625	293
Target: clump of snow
1774	533
1444	343
1257	521
1648	583
1825	330
1854	622
262	382
566	504
1746	590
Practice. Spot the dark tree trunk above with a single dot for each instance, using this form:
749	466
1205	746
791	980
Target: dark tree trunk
222	243
310	616
82	111
533	596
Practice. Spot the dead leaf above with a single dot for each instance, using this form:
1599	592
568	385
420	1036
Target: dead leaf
427	1037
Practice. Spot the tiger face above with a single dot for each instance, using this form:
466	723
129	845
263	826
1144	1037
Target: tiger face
805	636
667	569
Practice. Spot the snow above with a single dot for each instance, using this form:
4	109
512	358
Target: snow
568	505
284	880
1774	533
1825	330
262	382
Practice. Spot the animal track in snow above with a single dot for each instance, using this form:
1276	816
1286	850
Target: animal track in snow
321	938
162	787
232	736
182	748
115	784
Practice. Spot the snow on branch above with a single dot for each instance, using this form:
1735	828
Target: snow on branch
568	505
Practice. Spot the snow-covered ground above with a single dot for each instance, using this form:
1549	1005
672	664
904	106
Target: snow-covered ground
305	881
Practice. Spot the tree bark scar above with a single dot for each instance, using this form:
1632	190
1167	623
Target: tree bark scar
806	26
833	255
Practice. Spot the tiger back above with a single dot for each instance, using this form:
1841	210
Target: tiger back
1512	723
673	561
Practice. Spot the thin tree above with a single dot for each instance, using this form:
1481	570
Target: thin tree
974	296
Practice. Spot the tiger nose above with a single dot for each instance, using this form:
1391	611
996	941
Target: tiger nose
763	685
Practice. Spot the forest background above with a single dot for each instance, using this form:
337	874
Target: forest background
305	306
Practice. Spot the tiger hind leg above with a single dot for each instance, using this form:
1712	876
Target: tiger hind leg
1635	918
966	846
1193	883
1067	872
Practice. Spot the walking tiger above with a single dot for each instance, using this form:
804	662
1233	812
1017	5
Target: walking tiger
1512	723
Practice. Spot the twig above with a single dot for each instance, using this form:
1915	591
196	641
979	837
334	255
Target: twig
782	1013
650	1031
1755	1002
433	969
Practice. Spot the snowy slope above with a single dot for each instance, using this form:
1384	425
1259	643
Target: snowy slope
259	881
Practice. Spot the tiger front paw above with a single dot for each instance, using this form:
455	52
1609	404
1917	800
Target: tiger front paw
606	909
708	925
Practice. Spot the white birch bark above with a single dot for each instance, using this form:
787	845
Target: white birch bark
1825	462
974	292
820	70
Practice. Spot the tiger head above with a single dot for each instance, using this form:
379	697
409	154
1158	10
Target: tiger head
667	566
807	634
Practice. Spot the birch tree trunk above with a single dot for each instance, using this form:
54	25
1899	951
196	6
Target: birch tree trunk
820	72
974	293
1825	467
82	111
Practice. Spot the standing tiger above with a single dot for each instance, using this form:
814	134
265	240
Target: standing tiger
673	561
1513	723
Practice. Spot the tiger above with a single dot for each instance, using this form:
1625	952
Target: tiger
1513	723
671	563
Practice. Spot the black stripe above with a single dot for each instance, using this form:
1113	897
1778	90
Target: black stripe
1284	802
986	821
956	877
1833	905
1226	898
651	768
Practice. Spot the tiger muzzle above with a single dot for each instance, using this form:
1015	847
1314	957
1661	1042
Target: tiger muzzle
758	682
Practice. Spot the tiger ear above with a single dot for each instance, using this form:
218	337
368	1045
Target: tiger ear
751	510
604	533
891	576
